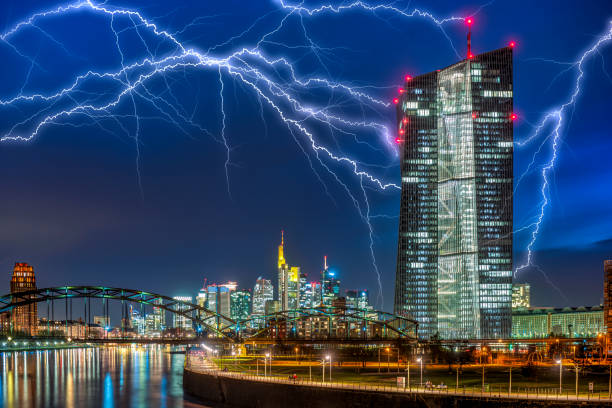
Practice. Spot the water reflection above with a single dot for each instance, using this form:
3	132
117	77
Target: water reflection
107	377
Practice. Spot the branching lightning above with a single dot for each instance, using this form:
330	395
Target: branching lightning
555	121
249	66
274	81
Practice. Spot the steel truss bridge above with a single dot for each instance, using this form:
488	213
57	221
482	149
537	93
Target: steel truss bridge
318	324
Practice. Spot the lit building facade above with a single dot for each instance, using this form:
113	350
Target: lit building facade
24	319
454	263
240	305
607	298
537	323
357	299
288	280
180	321
330	285
521	297
262	292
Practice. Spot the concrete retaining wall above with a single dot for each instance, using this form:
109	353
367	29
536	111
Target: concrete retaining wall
222	391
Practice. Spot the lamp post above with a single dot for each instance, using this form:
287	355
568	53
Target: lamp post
560	362
266	364
457	383
576	365
484	349
330	365
296	355
323	362
510	382
408	372
420	360
388	363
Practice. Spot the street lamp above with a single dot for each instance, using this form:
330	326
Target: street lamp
296	355
420	360
560	362
266	364
388	363
323	377
330	365
408	371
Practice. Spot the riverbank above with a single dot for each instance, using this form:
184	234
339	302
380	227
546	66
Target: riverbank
227	389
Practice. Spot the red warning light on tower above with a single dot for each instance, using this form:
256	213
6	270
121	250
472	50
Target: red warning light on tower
405	121
512	44
513	116
401	131
401	90
408	77
398	140
395	101
470	55
469	21
474	115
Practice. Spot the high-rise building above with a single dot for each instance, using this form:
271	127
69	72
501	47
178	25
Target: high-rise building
330	285
240	304
357	299
288	280
317	294
454	263
219	301
272	306
137	320
262	292
24	318
607	296
180	321
520	295
305	292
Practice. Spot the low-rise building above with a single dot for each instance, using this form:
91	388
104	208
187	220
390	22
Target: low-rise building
537	323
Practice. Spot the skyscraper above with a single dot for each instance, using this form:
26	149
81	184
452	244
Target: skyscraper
240	304
262	292
180	321
288	280
24	318
454	263
330	285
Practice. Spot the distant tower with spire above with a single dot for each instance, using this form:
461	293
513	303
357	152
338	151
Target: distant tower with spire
288	280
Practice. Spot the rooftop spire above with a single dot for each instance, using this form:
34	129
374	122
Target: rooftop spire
281	252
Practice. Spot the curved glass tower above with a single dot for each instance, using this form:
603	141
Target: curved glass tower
454	263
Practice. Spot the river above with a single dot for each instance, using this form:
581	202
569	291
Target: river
94	377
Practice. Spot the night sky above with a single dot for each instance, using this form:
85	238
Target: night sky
71	201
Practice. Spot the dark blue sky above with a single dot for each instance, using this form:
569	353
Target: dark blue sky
71	202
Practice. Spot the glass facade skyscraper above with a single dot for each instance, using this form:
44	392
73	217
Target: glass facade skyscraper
454	265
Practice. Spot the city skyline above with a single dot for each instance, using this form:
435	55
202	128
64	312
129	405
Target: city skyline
135	233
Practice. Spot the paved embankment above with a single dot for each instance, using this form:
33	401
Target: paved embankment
224	389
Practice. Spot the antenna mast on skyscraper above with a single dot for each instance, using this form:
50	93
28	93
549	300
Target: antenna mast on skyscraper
469	22
325	262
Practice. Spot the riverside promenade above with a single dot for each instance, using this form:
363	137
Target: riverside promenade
221	388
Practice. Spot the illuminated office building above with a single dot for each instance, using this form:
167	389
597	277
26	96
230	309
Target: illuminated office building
521	297
240	304
262	292
305	292
454	263
317	294
607	298
357	299
330	285
24	319
543	322
288	280
180	321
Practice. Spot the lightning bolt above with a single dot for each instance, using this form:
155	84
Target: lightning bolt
352	113
556	121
